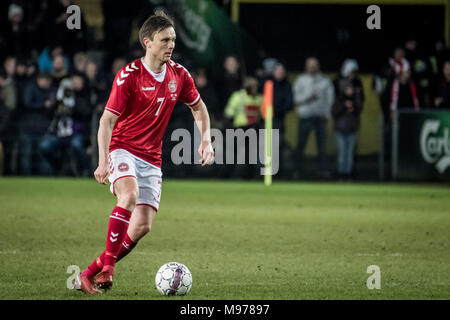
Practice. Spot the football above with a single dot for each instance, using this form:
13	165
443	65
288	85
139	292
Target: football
173	278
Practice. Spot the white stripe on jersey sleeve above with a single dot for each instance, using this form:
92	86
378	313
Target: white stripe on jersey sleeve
195	101
117	113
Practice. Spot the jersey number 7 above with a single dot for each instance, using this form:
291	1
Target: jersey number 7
161	101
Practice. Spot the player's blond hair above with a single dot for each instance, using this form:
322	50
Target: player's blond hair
156	22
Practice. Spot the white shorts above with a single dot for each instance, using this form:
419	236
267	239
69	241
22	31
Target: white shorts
149	177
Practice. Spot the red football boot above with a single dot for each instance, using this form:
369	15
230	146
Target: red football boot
105	278
83	283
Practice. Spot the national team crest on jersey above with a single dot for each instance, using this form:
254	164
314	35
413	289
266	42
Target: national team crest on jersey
172	86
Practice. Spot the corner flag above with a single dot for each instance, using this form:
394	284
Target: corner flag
267	114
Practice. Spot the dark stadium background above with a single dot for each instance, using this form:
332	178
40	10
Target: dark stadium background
334	32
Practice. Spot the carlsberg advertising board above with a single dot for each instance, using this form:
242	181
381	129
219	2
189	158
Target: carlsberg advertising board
423	145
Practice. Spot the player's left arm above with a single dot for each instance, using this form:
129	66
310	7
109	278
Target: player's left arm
201	117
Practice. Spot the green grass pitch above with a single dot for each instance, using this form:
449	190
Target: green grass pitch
241	240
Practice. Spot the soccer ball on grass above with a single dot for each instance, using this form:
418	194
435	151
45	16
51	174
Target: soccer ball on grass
173	278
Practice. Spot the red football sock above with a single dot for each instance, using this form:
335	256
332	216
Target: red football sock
117	230
126	247
97	265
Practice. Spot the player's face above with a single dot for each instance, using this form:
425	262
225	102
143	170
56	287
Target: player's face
163	44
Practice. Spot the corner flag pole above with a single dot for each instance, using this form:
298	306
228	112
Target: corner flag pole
267	113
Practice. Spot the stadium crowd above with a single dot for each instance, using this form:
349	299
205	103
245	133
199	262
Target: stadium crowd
53	87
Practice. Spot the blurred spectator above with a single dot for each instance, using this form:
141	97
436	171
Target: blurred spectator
10	66
401	93
25	71
80	60
32	69
20	78
349	73
15	35
420	71
313	94
47	57
244	110
349	101
97	84
116	65
59	69
8	95
70	125
346	112
7	86
439	55
397	63
231	80
209	95
282	101
39	98
266	71
7	107
442	99
411	52
109	75
10	135
437	58
244	105
269	65
3	122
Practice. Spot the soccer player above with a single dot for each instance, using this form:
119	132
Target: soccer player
130	135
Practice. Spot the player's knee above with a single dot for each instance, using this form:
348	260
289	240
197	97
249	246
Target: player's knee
138	230
145	228
128	200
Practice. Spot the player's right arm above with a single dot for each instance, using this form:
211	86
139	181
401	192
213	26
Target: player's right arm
105	129
115	105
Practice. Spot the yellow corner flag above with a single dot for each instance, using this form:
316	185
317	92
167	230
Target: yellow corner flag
267	114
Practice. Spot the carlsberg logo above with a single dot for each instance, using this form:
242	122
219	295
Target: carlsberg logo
434	148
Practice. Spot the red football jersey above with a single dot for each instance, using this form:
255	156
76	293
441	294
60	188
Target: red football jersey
144	101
